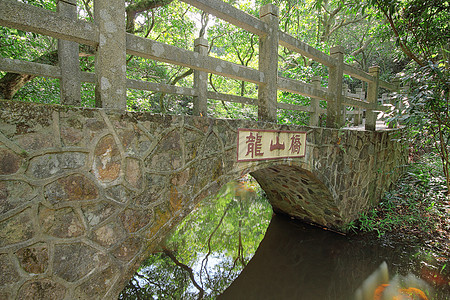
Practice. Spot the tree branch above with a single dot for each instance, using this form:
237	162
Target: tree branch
149	29
215	90
11	83
403	46
204	22
86	7
133	9
205	260
213	40
173	82
363	47
343	24
187	269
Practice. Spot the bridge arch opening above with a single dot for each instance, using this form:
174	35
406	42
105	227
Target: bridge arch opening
292	188
288	189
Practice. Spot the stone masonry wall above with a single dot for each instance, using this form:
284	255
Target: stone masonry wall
87	194
347	172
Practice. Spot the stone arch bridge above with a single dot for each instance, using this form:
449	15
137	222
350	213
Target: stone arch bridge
87	194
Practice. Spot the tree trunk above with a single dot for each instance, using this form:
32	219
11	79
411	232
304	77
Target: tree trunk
11	83
140	6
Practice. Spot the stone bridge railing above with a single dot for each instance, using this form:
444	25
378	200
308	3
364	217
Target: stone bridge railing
107	34
87	194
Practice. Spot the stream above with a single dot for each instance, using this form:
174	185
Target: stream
299	261
238	249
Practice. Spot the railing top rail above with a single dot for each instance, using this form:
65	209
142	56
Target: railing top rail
306	50
229	13
42	21
151	49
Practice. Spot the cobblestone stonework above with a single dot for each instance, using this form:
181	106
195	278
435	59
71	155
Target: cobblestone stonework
86	194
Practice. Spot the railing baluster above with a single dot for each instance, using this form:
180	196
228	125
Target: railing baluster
110	60
201	80
268	64
395	100
343	107
68	59
335	77
314	116
372	95
357	118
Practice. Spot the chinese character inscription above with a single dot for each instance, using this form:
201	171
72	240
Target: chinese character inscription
256	144
295	144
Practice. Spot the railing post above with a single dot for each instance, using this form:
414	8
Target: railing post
110	60
357	116
384	98
201	80
314	116
404	95
372	97
336	73
68	60
268	64
343	107
396	100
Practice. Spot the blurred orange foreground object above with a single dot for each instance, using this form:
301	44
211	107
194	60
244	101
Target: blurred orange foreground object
413	292
404	294
379	291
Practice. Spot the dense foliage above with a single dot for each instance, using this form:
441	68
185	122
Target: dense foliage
415	205
421	29
428	112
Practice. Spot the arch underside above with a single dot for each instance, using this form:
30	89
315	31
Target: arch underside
297	192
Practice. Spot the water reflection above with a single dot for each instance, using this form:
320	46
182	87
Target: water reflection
210	248
298	261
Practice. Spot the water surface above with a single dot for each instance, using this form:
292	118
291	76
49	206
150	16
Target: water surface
220	242
299	261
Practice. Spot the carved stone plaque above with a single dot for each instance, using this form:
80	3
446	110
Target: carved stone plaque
256	144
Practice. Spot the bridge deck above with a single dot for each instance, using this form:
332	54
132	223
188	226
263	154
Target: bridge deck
380	125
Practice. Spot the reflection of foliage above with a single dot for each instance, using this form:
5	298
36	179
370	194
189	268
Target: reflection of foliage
208	249
155	280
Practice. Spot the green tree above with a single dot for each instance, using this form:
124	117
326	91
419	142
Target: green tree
421	30
421	27
428	111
